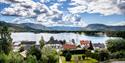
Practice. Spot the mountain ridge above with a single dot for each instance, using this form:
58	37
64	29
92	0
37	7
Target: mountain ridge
40	27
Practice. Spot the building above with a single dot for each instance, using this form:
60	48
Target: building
27	44
85	43
54	44
98	45
69	46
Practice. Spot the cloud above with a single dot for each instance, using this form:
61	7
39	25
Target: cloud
43	14
22	8
120	23
104	7
19	20
122	7
46	1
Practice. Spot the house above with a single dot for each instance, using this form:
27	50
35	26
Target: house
85	43
27	44
69	46
54	44
98	45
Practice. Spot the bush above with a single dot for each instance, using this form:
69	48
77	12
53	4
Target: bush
31	59
49	55
114	45
103	55
35	52
118	54
83	57
68	56
3	58
11	58
95	55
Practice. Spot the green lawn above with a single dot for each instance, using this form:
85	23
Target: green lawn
74	60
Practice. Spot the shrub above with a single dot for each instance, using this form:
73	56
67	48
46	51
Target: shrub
49	55
83	57
114	45
35	52
95	55
31	59
118	54
103	55
68	56
3	58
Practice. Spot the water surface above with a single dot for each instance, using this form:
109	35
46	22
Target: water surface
28	36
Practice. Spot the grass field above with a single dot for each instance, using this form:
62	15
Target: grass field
74	59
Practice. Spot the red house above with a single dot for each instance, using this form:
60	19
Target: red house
69	46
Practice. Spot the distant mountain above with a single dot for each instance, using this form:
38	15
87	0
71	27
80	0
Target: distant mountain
23	26
35	26
16	27
40	27
102	27
117	28
96	27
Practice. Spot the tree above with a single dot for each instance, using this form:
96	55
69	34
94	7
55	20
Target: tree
12	57
73	41
90	46
35	52
114	45
116	34
51	39
87	53
62	42
49	55
31	59
103	55
68	56
15	57
42	42
5	41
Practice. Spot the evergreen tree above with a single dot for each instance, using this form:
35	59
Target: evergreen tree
42	42
5	40
73	41
90	46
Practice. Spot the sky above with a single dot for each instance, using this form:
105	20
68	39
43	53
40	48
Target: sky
78	13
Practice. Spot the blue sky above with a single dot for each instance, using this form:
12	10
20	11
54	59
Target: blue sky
63	12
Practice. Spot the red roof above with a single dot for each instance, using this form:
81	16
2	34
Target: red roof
69	46
84	42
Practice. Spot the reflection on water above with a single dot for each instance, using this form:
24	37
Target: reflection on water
19	36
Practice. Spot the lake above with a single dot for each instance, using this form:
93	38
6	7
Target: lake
29	36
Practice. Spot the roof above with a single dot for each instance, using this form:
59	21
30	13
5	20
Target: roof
28	42
84	42
23	53
100	45
53	42
69	46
